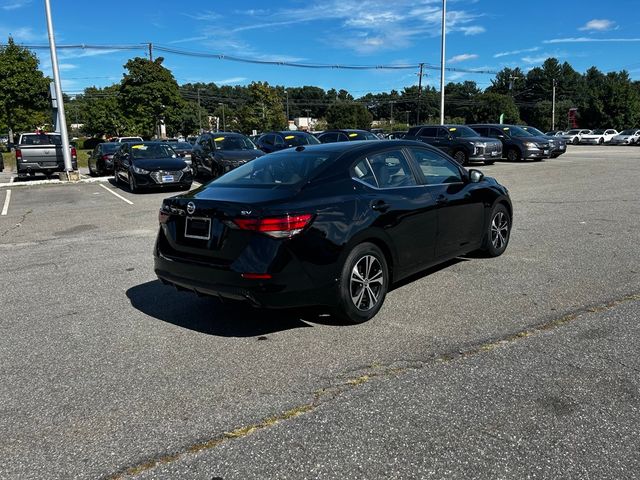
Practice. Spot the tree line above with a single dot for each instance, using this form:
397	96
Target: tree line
148	93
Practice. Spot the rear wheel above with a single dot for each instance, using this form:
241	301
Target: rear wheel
92	172
461	157
575	141
498	232
600	141
513	155
364	283
133	188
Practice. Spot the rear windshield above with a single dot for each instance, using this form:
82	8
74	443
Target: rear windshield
295	140
183	146
233	142
43	139
109	147
152	150
361	136
287	167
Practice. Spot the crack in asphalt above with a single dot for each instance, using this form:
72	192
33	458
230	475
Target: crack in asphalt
325	395
17	225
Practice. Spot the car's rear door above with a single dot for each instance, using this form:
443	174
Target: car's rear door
460	205
399	205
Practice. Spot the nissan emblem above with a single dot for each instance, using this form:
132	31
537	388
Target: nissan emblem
191	208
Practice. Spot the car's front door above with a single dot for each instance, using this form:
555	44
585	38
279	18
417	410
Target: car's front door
459	203
402	207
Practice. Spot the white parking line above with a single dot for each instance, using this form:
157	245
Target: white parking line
12	179
116	194
7	199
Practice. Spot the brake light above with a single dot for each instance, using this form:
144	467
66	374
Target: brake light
256	276
105	157
74	154
163	216
18	155
278	227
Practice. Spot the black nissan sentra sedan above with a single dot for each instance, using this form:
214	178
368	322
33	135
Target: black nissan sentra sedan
332	225
150	165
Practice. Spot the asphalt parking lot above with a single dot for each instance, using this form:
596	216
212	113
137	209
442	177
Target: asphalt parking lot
523	365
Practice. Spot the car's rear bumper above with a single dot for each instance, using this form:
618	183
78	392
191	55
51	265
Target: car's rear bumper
26	167
290	287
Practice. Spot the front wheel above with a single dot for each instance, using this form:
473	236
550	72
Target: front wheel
576	141
498	232
133	188
513	155
363	285
601	141
461	157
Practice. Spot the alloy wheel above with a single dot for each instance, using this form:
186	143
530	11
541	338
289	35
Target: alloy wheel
499	230
367	283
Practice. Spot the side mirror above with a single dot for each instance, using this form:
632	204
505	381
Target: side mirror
475	176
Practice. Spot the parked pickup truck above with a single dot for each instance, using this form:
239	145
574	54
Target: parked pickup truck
41	153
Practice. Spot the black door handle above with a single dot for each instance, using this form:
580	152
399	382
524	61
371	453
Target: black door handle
442	200
380	206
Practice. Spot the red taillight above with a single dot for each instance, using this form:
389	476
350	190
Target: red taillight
256	276
18	155
163	217
106	157
74	154
278	227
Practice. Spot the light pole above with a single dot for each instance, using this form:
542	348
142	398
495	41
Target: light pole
199	113
442	59
66	151
224	122
553	107
287	94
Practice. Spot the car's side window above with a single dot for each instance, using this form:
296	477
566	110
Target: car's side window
482	131
436	168
342	137
278	140
362	171
391	169
429	132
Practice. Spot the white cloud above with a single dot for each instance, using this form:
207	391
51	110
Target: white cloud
473	30
589	39
462	58
230	81
14	5
599	25
204	16
516	52
21	34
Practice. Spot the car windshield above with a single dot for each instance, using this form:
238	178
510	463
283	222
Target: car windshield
130	139
628	132
534	131
597	132
297	139
233	142
42	139
152	150
285	168
109	147
573	132
462	132
183	146
517	132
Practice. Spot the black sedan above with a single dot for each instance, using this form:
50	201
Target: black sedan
150	165
333	225
100	161
348	135
216	153
274	141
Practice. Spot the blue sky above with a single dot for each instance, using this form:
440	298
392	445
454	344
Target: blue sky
482	34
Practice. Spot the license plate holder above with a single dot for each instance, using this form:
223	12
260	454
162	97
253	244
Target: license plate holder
198	228
494	153
168	179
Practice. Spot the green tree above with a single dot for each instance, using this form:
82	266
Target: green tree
148	93
24	90
348	115
489	106
100	112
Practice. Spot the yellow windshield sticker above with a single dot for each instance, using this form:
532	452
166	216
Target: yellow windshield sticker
289	137
139	147
219	139
453	129
505	128
353	135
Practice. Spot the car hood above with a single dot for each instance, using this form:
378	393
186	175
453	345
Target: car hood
160	163
239	154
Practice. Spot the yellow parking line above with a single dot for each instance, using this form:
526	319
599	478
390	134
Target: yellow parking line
116	194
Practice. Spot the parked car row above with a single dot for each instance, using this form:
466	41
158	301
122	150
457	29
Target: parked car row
601	136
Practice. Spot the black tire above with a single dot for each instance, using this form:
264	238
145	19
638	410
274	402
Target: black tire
92	172
489	162
360	298
600	141
116	179
133	188
575	141
461	157
514	155
498	231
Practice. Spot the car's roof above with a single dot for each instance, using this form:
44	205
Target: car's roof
345	130
363	146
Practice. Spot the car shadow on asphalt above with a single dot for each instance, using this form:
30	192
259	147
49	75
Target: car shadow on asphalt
432	270
211	316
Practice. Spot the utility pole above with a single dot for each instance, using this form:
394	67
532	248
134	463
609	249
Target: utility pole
553	107
442	59
66	151
419	93
150	51
224	122
199	113
287	94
